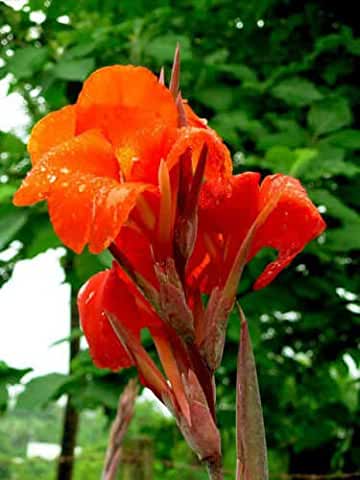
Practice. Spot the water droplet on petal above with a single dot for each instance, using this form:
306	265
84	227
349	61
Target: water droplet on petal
89	297
82	187
52	178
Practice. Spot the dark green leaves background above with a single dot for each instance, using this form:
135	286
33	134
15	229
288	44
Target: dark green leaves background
277	79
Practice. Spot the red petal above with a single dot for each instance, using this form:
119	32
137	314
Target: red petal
137	249
227	211
293	223
105	292
53	129
218	165
230	206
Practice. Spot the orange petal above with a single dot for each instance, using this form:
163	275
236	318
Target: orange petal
70	205
53	129
106	292
136	113
218	165
87	153
89	209
111	210
293	223
194	120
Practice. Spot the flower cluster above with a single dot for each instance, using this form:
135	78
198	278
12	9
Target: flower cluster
130	167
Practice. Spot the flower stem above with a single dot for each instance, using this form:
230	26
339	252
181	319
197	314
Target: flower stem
215	470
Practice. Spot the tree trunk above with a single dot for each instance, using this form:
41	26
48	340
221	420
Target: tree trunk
71	416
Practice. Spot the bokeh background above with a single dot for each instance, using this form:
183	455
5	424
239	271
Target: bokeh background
277	79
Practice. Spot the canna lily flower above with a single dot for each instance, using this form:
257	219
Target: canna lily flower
92	161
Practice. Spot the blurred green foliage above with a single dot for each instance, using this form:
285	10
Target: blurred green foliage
277	80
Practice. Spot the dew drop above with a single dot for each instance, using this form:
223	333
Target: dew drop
52	178
89	297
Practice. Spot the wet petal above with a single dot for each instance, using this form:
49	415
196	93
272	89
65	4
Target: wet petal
226	212
293	223
87	153
111	211
137	249
53	129
70	205
89	209
136	113
230	206
218	165
194	120
105	292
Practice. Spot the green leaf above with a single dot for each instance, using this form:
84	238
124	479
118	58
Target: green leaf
329	115
12	145
27	61
349	139
330	161
43	238
334	206
162	48
290	138
80	50
241	72
6	192
303	157
11	221
10	375
328	42
39	391
354	46
75	333
217	98
4	396
74	69
103	392
280	159
343	239
238	120
297	91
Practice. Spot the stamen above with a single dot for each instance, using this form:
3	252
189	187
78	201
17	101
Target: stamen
164	233
146	214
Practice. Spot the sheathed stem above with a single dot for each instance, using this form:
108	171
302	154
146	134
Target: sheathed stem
215	470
